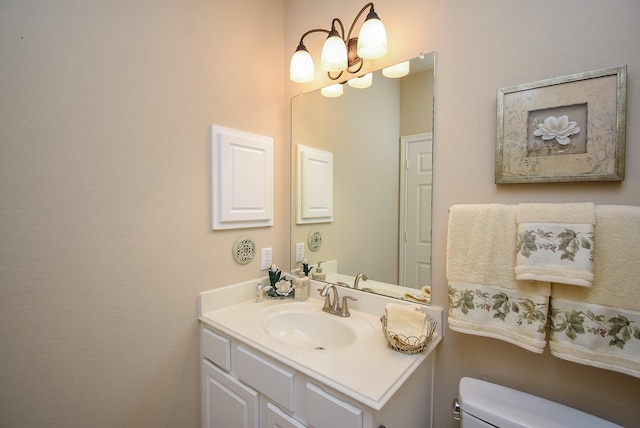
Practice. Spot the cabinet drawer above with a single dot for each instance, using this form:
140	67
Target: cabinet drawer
325	410
276	418
216	348
272	380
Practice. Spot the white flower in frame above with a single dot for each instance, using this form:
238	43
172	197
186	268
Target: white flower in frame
558	128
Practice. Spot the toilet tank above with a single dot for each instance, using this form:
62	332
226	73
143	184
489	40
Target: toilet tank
484	404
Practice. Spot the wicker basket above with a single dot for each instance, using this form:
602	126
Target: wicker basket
411	344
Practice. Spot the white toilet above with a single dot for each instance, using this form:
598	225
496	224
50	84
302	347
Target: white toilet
482	404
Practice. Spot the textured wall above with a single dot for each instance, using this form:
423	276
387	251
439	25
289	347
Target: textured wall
104	198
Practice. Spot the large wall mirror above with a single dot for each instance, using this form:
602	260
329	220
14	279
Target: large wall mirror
378	145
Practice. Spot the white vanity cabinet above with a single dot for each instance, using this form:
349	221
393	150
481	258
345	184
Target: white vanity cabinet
243	387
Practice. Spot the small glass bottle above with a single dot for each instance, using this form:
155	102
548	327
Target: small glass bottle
259	292
301	286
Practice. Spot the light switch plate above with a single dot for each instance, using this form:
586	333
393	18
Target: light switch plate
299	252
265	258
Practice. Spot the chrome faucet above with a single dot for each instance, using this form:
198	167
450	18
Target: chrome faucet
332	301
358	276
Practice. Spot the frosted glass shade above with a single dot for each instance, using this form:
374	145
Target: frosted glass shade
372	40
301	69
396	71
332	91
361	82
334	54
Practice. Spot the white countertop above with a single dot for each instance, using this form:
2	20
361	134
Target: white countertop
367	370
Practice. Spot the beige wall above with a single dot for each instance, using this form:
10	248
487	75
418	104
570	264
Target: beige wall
482	46
104	198
104	182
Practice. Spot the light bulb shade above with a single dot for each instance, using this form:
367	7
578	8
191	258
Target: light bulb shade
372	40
332	91
361	82
334	54
396	71
301	69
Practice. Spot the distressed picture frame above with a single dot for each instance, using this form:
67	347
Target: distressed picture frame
565	129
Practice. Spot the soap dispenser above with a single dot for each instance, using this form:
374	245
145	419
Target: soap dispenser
301	287
318	275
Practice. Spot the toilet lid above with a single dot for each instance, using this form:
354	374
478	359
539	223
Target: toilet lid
508	408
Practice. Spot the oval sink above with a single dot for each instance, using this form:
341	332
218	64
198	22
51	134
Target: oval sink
308	328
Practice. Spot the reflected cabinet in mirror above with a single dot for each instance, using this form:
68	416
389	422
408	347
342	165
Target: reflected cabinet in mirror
362	183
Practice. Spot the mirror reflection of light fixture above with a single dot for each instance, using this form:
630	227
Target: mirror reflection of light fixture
332	91
396	71
361	82
341	52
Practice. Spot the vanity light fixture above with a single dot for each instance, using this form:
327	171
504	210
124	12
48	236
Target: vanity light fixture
341	52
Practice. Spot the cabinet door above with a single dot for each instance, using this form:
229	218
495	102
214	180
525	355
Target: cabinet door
226	401
276	418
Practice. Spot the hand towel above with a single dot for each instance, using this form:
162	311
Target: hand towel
485	298
555	243
600	325
424	296
416	298
390	308
406	320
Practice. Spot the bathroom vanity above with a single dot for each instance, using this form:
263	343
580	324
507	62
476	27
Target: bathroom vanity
282	363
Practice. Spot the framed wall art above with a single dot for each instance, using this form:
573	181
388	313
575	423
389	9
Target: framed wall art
565	129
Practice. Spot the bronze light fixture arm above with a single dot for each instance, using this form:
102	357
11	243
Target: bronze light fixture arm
315	30
372	14
354	62
352	42
301	46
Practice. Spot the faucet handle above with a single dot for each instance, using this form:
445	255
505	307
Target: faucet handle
344	310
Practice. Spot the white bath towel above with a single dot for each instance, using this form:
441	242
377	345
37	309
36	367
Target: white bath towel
600	325
555	243
484	296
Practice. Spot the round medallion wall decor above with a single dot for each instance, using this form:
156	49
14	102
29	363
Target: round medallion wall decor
314	240
244	250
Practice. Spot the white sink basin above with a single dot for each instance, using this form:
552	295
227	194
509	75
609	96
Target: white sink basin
306	326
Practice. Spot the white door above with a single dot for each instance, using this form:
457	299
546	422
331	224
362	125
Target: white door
415	210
